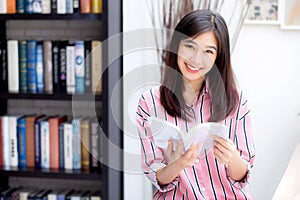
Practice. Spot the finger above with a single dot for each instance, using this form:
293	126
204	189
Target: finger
179	147
219	156
170	147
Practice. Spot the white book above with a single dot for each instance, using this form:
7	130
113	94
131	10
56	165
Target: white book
37	6
79	66
70	69
68	144
46	6
6	141
45	144
202	134
61	7
3	9
13	66
12	122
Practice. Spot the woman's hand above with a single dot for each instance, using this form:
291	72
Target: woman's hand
225	150
186	159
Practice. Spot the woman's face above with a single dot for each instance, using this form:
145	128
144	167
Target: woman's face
196	57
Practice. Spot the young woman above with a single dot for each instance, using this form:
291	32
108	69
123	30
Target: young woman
198	86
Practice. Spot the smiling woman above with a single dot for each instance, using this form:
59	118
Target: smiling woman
198	87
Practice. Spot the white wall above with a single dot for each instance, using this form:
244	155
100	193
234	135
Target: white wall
267	66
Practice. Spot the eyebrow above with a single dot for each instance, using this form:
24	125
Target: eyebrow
193	42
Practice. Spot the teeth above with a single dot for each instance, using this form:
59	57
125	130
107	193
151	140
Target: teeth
193	68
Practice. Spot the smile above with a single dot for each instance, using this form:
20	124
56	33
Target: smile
192	69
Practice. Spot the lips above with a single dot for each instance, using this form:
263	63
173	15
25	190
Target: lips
191	68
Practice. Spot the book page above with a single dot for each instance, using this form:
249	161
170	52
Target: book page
163	130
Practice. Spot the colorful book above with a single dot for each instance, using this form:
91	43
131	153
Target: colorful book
96	6
48	67
21	138
11	6
61	147
76	143
45	144
28	6
85	6
54	124
31	66
71	70
37	6
96	66
69	7
85	143
63	66
13	66
37	141
79	67
23	66
20	6
56	66
39	68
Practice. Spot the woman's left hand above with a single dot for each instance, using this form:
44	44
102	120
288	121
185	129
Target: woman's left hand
224	150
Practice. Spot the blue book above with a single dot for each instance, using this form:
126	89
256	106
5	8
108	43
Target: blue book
23	66
21	137
20	6
39	68
69	6
76	143
79	67
31	66
37	142
61	146
28	6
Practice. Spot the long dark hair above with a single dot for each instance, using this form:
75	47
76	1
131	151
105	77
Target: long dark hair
219	80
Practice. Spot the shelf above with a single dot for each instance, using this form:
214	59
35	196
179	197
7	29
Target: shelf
50	173
82	97
74	16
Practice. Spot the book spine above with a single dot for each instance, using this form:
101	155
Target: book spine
6	141
85	145
88	67
3	8
31	66
68	143
37	144
20	6
61	6
79	67
95	146
21	133
48	67
13	66
70	69
76	6
30	141
46	6
28	6
96	66
61	146
45	145
37	6
76	144
69	7
85	6
23	66
55	62
53	6
11	6
3	67
39	68
63	67
12	120
1	144
96	6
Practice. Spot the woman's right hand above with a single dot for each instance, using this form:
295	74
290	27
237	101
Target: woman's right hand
186	159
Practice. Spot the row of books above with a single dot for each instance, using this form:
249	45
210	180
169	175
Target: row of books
31	66
50	142
50	6
29	193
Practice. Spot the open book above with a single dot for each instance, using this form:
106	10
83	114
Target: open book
163	130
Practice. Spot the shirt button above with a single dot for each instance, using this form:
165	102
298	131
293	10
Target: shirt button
197	160
203	189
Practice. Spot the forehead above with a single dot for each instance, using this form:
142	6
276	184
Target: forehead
204	39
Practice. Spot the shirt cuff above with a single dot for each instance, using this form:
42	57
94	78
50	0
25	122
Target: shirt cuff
153	178
241	183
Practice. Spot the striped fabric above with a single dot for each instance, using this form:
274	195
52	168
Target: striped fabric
207	179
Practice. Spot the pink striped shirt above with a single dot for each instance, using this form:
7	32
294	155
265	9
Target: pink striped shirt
207	179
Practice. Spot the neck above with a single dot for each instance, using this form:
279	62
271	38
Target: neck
190	91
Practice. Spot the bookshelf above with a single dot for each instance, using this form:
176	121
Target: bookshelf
111	177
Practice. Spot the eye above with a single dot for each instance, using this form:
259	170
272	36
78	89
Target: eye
209	51
190	46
